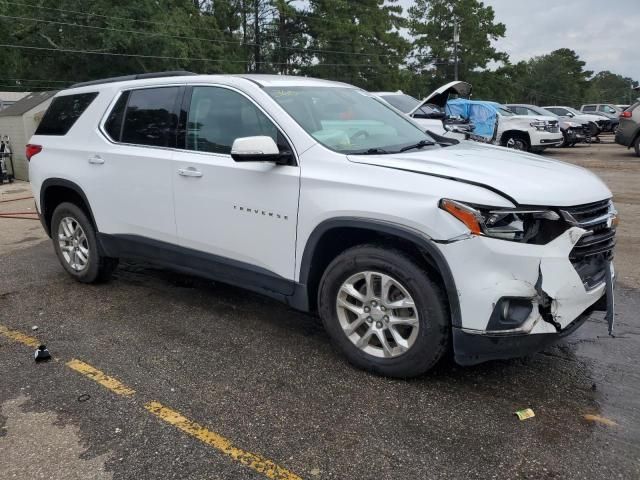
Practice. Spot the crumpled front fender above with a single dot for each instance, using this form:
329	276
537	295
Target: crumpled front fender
487	269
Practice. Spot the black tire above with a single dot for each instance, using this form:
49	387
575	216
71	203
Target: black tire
636	146
98	268
519	142
433	333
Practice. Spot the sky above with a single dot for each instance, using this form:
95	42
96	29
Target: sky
604	33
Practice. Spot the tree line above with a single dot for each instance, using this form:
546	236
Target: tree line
375	44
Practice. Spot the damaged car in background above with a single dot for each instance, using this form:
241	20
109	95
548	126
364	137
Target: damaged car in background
597	123
496	124
573	132
430	112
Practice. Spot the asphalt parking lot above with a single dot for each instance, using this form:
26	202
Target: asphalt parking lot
158	375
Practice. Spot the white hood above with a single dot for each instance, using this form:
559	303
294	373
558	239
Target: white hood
440	96
528	179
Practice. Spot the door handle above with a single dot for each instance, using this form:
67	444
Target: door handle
96	160
189	172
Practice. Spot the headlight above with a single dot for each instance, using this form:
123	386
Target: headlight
539	124
517	225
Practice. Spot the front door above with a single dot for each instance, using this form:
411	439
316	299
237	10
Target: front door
242	215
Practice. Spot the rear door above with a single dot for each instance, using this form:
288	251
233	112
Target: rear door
132	173
242	215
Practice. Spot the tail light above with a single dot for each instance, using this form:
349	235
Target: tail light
625	115
32	150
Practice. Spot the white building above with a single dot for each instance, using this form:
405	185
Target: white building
19	121
9	98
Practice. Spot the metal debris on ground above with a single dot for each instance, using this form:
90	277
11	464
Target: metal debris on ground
42	354
525	413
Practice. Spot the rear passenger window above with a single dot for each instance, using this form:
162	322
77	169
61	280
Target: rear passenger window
63	113
589	108
113	125
150	117
217	116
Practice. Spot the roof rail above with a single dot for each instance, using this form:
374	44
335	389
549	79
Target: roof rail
139	76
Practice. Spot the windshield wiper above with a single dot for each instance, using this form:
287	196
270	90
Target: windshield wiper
420	144
371	151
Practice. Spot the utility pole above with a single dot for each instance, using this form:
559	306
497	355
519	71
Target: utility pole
256	30
456	39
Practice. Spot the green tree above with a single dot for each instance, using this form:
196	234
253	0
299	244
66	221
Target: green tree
608	87
558	77
127	37
431	24
357	42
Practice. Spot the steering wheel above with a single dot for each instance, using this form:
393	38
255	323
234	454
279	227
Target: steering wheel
360	133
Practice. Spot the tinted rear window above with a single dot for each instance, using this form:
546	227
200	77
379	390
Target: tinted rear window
63	113
113	125
151	117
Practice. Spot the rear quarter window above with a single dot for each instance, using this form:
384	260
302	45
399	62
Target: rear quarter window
63	112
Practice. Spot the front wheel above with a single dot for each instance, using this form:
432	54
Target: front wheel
75	243
517	143
384	311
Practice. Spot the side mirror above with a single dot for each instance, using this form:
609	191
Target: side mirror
570	115
255	149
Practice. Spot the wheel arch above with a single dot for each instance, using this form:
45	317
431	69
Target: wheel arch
332	237
515	133
634	137
55	191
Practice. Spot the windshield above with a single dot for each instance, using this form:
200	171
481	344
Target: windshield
348	120
404	103
544	111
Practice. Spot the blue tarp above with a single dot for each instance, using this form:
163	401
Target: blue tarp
482	114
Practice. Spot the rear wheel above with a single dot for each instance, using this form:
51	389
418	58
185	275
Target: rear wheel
383	311
636	146
75	243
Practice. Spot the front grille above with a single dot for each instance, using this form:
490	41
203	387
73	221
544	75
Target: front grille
552	126
591	253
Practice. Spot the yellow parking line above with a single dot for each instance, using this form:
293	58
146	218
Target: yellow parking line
256	462
96	375
19	337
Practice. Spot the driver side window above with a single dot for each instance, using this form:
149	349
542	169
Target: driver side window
217	116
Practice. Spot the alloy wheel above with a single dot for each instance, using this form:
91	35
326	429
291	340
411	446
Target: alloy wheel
73	243
377	314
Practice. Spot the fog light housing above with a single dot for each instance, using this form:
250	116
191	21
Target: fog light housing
510	313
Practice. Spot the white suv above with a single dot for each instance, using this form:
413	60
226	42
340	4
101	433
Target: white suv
322	196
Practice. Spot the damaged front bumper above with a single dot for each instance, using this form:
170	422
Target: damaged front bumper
516	298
